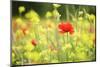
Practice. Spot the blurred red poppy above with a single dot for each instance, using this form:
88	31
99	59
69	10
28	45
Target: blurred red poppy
34	43
25	31
66	27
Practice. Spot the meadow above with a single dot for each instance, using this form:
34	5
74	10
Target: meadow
56	36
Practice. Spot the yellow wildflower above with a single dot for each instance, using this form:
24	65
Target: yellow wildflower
56	5
48	14
56	13
35	56
32	16
19	21
92	17
28	46
21	9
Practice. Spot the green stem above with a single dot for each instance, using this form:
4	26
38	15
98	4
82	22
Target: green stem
67	37
20	14
67	12
64	39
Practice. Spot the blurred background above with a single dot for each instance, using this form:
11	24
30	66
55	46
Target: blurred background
42	8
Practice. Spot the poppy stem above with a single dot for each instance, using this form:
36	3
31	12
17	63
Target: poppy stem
64	39
67	37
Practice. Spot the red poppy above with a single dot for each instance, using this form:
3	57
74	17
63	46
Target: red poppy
34	43
66	27
24	30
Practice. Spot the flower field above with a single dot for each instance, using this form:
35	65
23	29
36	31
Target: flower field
52	37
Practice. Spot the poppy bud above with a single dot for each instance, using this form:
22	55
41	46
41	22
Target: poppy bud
34	43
